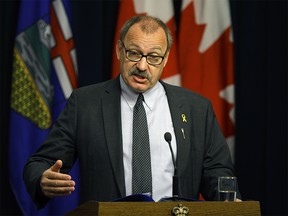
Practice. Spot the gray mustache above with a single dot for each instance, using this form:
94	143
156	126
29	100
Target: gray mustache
144	74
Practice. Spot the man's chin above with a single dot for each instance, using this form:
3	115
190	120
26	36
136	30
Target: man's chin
139	87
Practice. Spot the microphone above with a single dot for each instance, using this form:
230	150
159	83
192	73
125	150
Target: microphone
168	138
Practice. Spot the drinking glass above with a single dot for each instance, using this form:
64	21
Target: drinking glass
227	187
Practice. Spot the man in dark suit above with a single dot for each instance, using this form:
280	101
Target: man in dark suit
96	128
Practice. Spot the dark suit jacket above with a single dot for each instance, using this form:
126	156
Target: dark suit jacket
89	128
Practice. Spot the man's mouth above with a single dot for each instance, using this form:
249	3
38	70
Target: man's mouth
139	78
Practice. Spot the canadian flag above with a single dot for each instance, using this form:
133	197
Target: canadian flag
162	9
206	57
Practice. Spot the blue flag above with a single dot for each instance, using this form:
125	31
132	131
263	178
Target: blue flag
43	77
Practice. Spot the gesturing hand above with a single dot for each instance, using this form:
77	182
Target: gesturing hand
53	183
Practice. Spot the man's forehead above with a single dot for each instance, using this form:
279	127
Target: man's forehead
137	30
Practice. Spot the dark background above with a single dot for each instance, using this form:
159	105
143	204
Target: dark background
260	40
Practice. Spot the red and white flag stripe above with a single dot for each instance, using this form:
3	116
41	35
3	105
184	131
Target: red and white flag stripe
63	52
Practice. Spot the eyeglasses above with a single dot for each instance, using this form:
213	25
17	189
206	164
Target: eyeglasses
136	56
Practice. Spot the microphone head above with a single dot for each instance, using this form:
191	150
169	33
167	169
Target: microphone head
168	137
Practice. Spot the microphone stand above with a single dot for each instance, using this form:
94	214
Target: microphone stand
168	139
175	195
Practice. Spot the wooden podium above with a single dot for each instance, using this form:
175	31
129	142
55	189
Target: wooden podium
167	208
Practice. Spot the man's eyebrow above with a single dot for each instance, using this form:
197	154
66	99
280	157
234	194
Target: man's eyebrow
134	46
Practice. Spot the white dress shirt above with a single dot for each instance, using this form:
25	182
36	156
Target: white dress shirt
159	122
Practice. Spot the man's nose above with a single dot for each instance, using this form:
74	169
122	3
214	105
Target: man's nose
142	64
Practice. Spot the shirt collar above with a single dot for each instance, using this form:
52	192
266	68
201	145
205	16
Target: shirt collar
150	96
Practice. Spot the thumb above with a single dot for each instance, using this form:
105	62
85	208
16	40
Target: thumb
57	166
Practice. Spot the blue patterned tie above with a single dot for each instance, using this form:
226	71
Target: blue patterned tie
141	161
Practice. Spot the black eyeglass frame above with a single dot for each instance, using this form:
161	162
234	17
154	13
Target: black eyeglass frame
142	55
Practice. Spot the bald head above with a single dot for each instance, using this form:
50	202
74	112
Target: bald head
148	25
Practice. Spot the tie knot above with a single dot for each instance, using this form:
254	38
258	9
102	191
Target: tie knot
140	99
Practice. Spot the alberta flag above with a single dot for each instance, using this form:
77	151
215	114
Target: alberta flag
43	77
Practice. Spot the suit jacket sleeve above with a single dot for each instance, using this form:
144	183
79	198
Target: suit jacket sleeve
58	145
216	161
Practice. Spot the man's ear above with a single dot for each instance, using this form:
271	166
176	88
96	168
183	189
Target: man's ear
166	58
118	49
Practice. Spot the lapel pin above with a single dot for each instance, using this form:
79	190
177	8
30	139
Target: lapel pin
183	118
183	133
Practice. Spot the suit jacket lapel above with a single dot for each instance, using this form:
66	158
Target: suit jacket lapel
180	119
112	123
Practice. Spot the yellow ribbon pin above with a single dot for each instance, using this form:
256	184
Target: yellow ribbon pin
184	118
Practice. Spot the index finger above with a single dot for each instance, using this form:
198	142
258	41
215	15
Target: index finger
55	175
